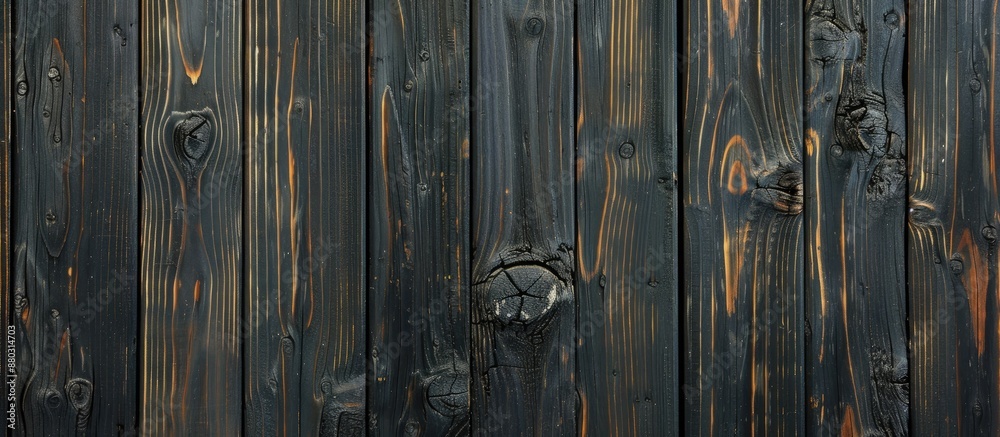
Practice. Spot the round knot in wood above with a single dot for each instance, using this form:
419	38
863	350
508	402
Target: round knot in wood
448	394
523	294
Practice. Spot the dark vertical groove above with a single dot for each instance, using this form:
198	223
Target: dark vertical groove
682	314
244	288
473	86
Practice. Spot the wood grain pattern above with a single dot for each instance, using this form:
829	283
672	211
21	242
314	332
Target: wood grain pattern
191	181
742	197
76	219
627	274
419	219
856	360
304	323
954	213
523	306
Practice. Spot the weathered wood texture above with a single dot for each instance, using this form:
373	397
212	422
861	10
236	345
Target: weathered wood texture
743	236
626	274
856	359
192	183
76	217
419	293
303	323
523	306
953	220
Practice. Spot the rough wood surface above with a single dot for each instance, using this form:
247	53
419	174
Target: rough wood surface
523	306
954	307
856	360
76	217
192	182
742	218
303	323
419	219
626	275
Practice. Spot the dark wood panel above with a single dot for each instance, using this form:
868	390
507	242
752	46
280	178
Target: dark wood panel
6	156
304	323
191	182
76	217
419	219
523	305
627	275
954	309
856	360
743	237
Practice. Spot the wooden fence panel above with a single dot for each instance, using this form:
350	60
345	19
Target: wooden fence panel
856	360
523	233
419	219
954	214
6	157
76	217
191	236
627	219
304	309
742	196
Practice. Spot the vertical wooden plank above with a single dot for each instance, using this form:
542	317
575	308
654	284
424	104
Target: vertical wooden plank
419	216
6	249
523	218
954	215
304	323
627	219
191	217
77	216
742	194
856	360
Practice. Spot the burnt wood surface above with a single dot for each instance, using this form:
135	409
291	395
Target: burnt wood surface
500	217
6	167
626	280
855	142
75	245
302	323
419	289
954	306
741	166
191	227
523	227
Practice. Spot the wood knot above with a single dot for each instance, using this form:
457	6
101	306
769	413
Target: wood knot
287	345
830	42
626	150
888	180
448	394
52	399
781	189
20	302
862	124
523	294
193	137
81	394
534	26
923	214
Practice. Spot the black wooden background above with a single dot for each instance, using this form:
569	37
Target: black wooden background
500	217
